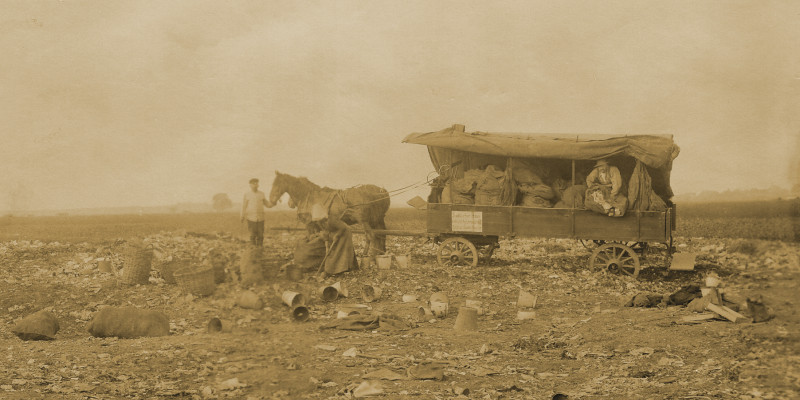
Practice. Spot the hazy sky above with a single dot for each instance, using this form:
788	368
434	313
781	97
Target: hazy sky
118	103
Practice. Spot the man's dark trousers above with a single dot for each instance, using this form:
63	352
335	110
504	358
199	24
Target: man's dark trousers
256	232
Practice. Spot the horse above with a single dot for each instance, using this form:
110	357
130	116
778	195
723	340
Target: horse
364	204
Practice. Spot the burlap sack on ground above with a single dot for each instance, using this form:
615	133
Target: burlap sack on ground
309	253
251	266
41	325
128	323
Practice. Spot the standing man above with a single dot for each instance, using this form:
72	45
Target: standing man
253	210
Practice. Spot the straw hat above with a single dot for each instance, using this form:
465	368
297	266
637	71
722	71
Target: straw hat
601	162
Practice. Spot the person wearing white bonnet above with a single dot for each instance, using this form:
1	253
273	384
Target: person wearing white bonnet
603	193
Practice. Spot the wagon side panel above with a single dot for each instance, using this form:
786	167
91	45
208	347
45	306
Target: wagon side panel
469	219
542	222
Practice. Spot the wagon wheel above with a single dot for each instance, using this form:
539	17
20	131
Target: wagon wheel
615	257
457	251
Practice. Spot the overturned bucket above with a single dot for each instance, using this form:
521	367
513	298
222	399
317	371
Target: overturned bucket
476	304
384	261
467	320
332	292
439	309
345	310
402	260
216	325
525	315
300	313
293	299
526	299
439	297
371	293
424	314
409	298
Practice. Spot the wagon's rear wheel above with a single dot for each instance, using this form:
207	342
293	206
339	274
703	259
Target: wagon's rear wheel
617	258
457	251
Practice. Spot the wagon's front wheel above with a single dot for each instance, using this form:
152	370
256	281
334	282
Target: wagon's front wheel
615	257
457	251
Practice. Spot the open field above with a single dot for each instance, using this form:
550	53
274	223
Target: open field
582	341
769	220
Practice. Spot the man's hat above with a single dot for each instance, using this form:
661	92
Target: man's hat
601	162
254	180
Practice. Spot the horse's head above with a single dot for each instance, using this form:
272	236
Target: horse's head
279	187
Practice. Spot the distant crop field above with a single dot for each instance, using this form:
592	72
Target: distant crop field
770	220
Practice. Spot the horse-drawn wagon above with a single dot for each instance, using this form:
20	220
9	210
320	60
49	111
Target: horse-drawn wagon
468	231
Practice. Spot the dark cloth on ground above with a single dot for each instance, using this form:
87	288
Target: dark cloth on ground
646	300
360	322
685	295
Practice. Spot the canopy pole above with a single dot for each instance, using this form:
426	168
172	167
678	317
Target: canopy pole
573	172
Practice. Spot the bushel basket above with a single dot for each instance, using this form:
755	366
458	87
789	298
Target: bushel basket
168	268
198	282
136	266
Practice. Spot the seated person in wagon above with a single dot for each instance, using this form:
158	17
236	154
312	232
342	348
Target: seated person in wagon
603	195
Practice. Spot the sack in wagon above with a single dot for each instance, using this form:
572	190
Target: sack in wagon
41	325
536	195
128	323
490	187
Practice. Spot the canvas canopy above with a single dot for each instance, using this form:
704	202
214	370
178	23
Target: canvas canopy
551	152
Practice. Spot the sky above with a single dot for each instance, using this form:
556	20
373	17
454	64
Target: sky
146	103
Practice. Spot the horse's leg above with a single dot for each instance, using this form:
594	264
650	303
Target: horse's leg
369	240
380	240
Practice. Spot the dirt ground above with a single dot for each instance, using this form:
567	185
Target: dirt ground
582	343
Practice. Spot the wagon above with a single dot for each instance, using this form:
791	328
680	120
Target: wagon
468	233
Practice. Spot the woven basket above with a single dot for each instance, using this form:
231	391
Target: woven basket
168	269
198	282
136	265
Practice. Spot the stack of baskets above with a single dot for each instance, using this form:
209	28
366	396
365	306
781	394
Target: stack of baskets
196	281
137	263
